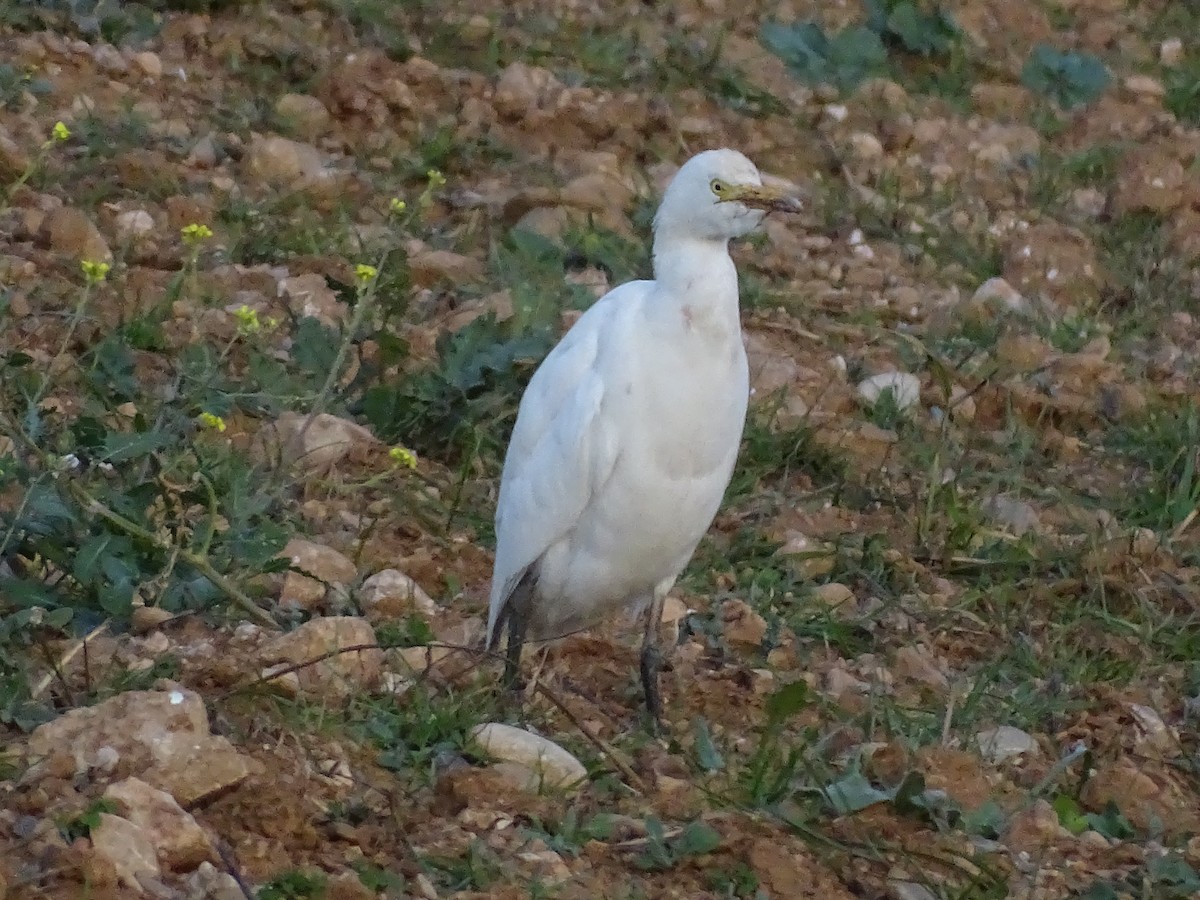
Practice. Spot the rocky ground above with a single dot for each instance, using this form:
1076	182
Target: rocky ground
942	640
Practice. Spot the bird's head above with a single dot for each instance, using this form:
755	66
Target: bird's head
718	195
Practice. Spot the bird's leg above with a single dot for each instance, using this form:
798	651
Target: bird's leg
515	614
652	661
517	623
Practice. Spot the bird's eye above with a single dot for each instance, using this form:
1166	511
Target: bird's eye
718	187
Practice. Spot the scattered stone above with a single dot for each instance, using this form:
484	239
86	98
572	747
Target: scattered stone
909	890
126	849
1170	52
838	597
149	63
325	566
995	297
998	745
322	444
1150	803
161	737
905	388
279	161
741	624
210	883
1035	828
1014	515
69	231
310	295
303	115
915	663
203	154
539	762
1023	353
839	681
390	594
1153	734
428	267
133	225
522	89
338	675
147	618
180	843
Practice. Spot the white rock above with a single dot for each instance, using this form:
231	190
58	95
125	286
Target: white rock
905	387
1005	742
326	566
909	890
1152	732
1170	52
134	224
554	767
1010	513
314	447
127	848
999	293
334	676
391	586
178	839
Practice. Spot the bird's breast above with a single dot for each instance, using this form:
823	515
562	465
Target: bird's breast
689	410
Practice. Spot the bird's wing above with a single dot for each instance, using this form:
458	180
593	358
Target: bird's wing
562	449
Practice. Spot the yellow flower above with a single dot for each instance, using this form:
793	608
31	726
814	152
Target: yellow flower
397	205
436	178
402	456
365	273
211	420
193	234
60	132
247	320
93	271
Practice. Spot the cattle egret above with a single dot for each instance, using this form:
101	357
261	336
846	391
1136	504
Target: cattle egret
627	435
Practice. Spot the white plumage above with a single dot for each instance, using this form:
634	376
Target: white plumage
627	435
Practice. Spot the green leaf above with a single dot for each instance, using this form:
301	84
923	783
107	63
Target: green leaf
87	560
1111	823
1070	79
1070	815
803	46
27	592
922	32
116	598
854	55
707	754
786	702
315	347
600	827
1101	890
987	821
853	794
909	793
124	445
697	839
1173	870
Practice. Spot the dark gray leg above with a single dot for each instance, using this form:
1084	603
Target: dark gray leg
516	612
652	662
516	642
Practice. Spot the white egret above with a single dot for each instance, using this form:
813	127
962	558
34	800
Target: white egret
626	436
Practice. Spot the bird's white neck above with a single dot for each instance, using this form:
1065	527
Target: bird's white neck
697	275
